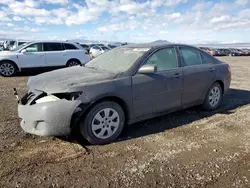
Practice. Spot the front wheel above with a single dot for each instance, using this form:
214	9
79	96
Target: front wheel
213	97
7	68
103	123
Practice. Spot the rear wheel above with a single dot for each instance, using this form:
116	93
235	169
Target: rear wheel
7	68
103	123
213	97
73	62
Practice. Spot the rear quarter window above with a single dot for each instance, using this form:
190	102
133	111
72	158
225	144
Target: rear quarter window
207	59
70	46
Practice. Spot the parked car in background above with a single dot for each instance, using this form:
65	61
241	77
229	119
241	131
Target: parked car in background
220	52
18	43
111	46
246	52
243	52
234	52
92	45
42	54
98	50
8	44
85	46
123	86
211	51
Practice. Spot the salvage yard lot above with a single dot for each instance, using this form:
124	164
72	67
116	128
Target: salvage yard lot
190	148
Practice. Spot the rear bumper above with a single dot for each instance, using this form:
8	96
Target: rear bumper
48	118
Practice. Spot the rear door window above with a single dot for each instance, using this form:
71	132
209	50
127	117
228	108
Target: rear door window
52	47
189	56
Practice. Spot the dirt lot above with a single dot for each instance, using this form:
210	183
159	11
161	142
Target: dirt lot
191	148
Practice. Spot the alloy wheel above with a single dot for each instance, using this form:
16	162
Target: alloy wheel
214	96
73	63
7	69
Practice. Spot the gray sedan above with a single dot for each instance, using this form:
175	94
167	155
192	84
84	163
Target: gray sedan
120	87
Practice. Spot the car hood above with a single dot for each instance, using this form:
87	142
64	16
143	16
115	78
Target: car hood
5	53
67	79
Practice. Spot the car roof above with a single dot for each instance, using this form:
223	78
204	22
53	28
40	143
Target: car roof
154	45
54	41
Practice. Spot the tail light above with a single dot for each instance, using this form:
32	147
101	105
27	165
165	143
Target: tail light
87	53
229	68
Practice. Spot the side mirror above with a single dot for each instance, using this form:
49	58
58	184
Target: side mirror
23	50
147	69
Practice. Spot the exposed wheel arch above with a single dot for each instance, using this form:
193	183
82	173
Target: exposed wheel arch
4	60
221	85
8	68
119	101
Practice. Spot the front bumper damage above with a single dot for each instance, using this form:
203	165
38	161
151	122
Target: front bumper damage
47	118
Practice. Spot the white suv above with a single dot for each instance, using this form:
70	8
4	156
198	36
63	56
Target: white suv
98	50
42	54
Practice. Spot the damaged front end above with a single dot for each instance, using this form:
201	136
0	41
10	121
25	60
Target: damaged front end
48	114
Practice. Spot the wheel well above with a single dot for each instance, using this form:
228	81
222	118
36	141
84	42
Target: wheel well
221	85
9	61
118	101
74	60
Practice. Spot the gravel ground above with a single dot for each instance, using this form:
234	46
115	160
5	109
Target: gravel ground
190	148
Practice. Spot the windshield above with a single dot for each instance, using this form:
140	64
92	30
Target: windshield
19	47
117	60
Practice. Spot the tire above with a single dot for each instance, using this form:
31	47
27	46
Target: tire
8	68
213	97
73	62
101	116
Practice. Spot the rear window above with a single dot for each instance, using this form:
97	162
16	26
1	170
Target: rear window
70	46
52	47
84	45
105	48
96	47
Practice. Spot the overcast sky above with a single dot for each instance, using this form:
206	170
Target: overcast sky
186	21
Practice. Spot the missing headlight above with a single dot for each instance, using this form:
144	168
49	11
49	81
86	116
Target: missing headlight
68	96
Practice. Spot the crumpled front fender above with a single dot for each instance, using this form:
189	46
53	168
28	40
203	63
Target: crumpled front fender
48	118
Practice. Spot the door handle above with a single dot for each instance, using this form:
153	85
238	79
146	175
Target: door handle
63	54
177	75
41	55
211	69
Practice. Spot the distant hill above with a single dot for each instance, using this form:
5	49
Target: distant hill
161	42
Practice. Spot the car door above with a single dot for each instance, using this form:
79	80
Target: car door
198	77
55	54
34	56
161	91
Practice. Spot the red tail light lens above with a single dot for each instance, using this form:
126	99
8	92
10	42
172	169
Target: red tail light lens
229	68
87	53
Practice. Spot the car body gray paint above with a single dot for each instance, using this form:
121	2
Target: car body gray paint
98	84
